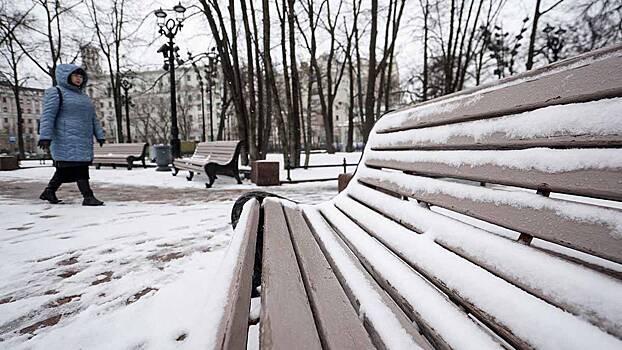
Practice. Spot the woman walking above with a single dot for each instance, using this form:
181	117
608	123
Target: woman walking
68	124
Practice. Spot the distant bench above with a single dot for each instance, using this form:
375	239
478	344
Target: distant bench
120	154
488	218
212	158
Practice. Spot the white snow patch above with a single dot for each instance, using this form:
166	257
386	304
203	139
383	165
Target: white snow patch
572	210
597	118
541	159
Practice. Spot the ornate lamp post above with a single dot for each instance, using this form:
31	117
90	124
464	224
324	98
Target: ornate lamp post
169	28
127	85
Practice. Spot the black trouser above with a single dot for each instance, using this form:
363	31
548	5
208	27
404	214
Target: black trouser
83	185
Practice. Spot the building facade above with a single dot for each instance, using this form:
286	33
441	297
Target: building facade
31	100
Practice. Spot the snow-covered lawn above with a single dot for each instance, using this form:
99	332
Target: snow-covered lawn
135	273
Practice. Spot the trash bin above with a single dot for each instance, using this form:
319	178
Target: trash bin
163	157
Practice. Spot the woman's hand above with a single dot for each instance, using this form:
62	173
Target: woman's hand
44	144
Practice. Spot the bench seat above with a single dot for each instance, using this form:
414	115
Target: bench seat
486	219
212	158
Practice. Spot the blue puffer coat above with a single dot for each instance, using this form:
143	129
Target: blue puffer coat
71	126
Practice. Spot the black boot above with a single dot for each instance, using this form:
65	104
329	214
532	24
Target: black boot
87	193
49	194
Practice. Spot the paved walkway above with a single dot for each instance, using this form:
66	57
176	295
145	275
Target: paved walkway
141	266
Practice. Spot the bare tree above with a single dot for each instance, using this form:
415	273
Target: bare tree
329	77
12	57
227	50
598	25
52	35
109	24
537	14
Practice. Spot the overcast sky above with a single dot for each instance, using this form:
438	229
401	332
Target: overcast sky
196	37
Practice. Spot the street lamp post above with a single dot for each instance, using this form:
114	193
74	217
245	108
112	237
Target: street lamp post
211	74
169	28
127	85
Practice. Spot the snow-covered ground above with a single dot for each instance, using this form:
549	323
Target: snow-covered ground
136	273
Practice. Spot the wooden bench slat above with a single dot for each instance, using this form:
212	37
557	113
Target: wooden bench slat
560	282
591	177
385	322
338	323
417	297
588	228
587	77
481	293
283	325
591	124
232	330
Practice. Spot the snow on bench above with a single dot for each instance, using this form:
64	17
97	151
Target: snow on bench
212	158
119	153
487	219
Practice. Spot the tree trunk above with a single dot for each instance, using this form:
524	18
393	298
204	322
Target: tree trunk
261	125
16	93
243	119
532	37
252	145
309	128
350	140
426	14
296	99
371	75
289	105
269	74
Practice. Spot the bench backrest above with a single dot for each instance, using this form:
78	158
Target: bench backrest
221	152
557	131
127	149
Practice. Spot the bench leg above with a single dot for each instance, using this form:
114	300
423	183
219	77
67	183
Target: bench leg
144	165
97	166
175	171
114	166
189	177
129	166
212	177
237	177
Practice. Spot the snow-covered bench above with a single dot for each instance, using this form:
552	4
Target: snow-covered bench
119	154
489	218
212	158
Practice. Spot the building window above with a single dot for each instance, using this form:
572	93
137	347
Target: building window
29	121
6	120
29	111
30	130
4	109
190	98
188	77
3	99
109	104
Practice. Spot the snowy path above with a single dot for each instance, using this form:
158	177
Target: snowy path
136	273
